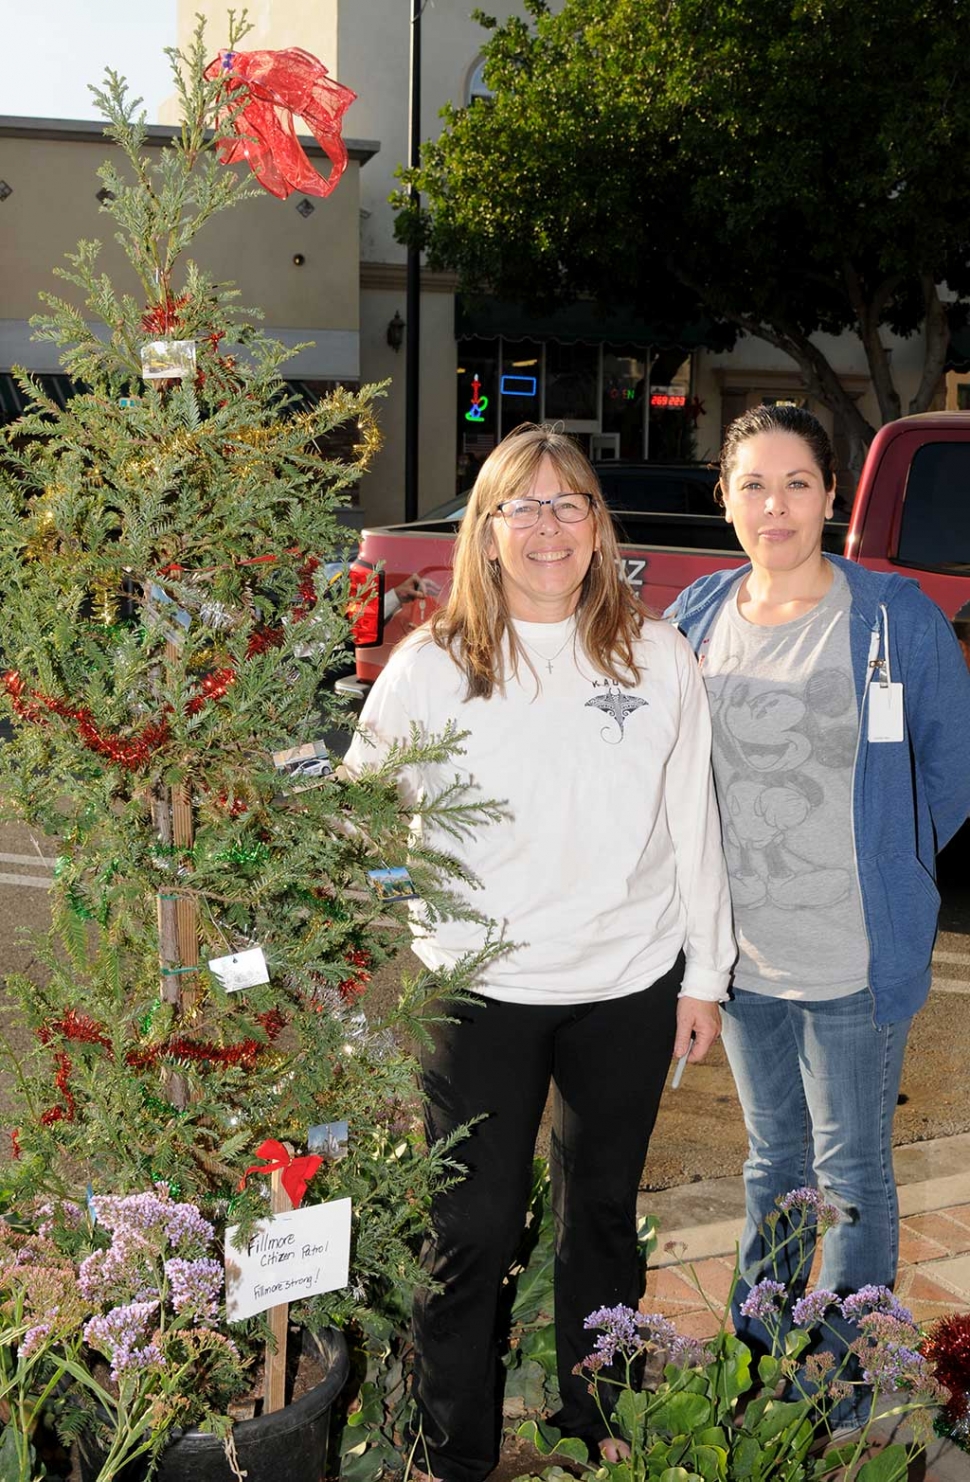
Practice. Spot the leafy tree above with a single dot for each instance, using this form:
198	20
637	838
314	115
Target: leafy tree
788	166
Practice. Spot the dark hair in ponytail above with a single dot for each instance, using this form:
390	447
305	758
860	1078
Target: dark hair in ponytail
781	418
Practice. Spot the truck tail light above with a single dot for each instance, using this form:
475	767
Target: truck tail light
366	606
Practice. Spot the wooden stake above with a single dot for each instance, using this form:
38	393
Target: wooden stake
275	1363
178	923
186	911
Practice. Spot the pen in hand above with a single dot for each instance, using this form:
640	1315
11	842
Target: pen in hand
679	1069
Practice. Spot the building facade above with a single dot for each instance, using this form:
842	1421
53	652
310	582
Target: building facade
330	271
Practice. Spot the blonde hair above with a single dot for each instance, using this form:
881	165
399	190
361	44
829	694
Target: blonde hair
475	622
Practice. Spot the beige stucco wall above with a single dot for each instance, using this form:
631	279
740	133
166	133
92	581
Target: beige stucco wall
54	204
366	45
382	491
758	369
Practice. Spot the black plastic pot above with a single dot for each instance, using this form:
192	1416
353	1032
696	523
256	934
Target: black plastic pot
290	1444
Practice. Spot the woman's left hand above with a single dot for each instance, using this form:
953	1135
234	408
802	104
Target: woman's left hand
700	1018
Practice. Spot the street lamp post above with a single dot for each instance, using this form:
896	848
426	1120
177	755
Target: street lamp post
412	312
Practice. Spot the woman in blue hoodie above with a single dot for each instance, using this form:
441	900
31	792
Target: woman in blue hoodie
841	710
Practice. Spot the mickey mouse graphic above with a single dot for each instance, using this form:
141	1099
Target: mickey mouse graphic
769	734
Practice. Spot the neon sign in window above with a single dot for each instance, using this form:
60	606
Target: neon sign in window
667	397
476	412
518	385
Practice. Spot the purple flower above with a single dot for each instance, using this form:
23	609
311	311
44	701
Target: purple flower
895	1367
47	1212
622	1322
122	1271
889	1355
808	1200
887	1327
627	1331
813	1307
195	1285
656	1330
33	1338
765	1300
120	1325
689	1353
155	1216
874	1299
121	1336
131	1360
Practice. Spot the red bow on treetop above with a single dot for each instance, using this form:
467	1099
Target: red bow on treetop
296	1172
282	84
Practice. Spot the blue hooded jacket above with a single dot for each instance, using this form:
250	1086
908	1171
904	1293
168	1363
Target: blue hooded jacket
909	797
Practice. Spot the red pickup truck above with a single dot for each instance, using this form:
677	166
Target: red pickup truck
911	513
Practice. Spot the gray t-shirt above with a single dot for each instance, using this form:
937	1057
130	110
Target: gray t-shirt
786	725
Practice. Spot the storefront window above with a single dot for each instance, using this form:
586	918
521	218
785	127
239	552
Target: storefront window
618	401
671	436
624	380
478	406
520	388
572	381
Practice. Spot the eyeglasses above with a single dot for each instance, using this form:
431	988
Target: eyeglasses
569	509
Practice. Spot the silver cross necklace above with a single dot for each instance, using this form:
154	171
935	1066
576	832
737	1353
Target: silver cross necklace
547	659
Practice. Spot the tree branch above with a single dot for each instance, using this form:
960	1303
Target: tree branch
821	381
868	312
936	329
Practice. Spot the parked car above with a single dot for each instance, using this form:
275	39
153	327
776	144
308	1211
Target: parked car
911	513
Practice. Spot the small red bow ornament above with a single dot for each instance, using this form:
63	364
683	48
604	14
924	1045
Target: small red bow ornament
295	1173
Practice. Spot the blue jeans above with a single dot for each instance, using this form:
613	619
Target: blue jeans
818	1084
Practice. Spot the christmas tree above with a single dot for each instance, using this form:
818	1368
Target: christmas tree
167	550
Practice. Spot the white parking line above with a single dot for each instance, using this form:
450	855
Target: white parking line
32	859
950	985
39	882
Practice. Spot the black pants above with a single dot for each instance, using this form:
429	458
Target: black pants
607	1062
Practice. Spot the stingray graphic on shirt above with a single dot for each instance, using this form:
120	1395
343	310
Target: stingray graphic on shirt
619	707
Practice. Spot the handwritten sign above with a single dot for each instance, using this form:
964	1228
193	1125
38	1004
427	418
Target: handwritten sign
290	1256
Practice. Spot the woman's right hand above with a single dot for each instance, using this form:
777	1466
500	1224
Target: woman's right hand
700	1018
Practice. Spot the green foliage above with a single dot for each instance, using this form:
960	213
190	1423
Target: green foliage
700	1414
163	566
785	167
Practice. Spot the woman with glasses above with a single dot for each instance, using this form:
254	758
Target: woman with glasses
606	880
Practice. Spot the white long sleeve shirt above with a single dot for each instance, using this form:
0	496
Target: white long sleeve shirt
609	860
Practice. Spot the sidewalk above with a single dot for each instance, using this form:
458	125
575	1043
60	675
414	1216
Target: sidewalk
934	1264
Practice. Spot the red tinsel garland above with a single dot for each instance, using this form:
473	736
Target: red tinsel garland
79	1027
244	1053
75	1026
351	988
58	1113
307	590
948	1349
262	639
165	318
213	687
131	753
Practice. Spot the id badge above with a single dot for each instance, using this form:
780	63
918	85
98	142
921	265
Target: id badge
885	712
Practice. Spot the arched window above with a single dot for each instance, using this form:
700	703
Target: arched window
476	86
